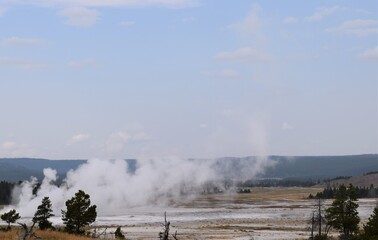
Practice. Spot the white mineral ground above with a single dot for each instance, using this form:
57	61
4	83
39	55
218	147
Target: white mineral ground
266	213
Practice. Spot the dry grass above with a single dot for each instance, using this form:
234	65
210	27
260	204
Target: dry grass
45	235
276	193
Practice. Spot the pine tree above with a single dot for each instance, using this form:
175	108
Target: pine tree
10	217
44	212
343	214
371	227
79	213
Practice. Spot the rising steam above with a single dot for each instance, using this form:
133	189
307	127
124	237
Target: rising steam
114	188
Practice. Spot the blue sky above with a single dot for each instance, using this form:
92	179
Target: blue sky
188	78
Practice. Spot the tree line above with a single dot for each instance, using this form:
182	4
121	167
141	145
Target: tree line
79	213
6	192
362	192
342	215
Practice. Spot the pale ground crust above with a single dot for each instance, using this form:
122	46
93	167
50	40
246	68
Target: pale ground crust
266	213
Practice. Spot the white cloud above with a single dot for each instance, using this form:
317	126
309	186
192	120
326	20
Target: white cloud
203	125
82	63
250	25
358	27
246	54
21	63
286	126
17	41
113	3
80	16
14	149
370	54
290	20
79	138
127	23
321	13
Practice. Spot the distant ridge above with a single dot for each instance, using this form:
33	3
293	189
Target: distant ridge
19	169
302	167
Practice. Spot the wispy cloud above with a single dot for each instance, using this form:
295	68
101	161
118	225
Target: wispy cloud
187	19
370	54
2	11
290	20
226	73
14	149
78	64
127	23
79	138
286	126
118	141
357	27
80	16
321	13
113	3
246	54
22	63
251	24
17	41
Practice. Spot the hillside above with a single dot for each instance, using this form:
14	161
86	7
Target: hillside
360	181
322	166
18	169
302	167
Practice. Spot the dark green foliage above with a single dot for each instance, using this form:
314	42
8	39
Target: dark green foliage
6	192
44	212
10	217
118	233
342	214
79	213
286	182
362	192
321	237
371	227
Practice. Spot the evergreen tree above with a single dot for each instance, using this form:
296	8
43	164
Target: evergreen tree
44	212
79	213
343	214
371	227
10	217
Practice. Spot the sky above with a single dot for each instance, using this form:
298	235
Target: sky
191	78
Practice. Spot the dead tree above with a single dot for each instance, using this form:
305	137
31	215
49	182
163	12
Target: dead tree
312	226
94	234
318	222
28	232
175	235
165	234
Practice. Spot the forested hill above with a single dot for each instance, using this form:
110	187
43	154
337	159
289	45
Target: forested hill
323	166
315	167
18	169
